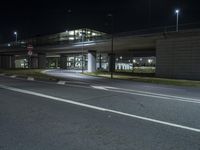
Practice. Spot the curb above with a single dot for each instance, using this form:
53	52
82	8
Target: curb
58	82
61	82
30	79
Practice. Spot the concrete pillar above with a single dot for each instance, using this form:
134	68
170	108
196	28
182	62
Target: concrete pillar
91	61
7	61
63	61
100	62
41	60
111	61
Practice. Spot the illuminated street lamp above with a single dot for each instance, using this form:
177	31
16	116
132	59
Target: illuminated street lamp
177	11
15	33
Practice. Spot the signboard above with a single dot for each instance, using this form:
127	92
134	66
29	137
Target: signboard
30	47
30	53
30	50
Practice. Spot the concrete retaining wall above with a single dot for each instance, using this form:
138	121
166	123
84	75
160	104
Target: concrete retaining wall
178	58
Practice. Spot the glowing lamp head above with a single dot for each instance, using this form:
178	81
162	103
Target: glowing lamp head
177	11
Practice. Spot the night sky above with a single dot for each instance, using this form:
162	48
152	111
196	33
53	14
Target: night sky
34	17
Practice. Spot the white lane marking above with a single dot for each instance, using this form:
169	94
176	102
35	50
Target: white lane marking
30	79
99	108
148	94
159	97
61	82
99	87
77	82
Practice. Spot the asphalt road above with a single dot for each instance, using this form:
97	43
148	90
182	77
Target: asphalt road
104	115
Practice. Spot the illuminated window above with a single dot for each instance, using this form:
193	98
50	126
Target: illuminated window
71	38
71	32
94	34
150	61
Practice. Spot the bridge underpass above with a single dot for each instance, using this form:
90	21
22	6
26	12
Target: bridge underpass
175	55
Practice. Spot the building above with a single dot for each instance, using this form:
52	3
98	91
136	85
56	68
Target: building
172	54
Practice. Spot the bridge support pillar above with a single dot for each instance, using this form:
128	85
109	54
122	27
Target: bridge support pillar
111	61
63	61
91	61
7	61
41	60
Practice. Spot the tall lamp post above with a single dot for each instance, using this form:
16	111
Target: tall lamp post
177	11
15	33
112	50
82	39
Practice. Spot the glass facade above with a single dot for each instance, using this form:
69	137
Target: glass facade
77	62
122	63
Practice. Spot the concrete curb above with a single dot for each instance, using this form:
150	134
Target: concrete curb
13	76
30	79
59	82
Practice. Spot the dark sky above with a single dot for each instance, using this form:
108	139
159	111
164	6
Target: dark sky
34	17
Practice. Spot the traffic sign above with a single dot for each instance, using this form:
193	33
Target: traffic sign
30	47
30	53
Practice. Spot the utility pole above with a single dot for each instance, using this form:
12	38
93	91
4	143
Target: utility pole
82	37
177	11
112	46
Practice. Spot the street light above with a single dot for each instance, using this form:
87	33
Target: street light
82	37
15	33
177	11
112	51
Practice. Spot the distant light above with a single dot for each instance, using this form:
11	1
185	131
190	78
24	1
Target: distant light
71	32
117	59
71	38
177	11
9	44
150	61
140	59
94	34
15	33
129	61
120	57
134	61
77	31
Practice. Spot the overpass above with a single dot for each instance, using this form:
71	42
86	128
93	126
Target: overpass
176	55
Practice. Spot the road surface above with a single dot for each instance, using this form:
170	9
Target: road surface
97	114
